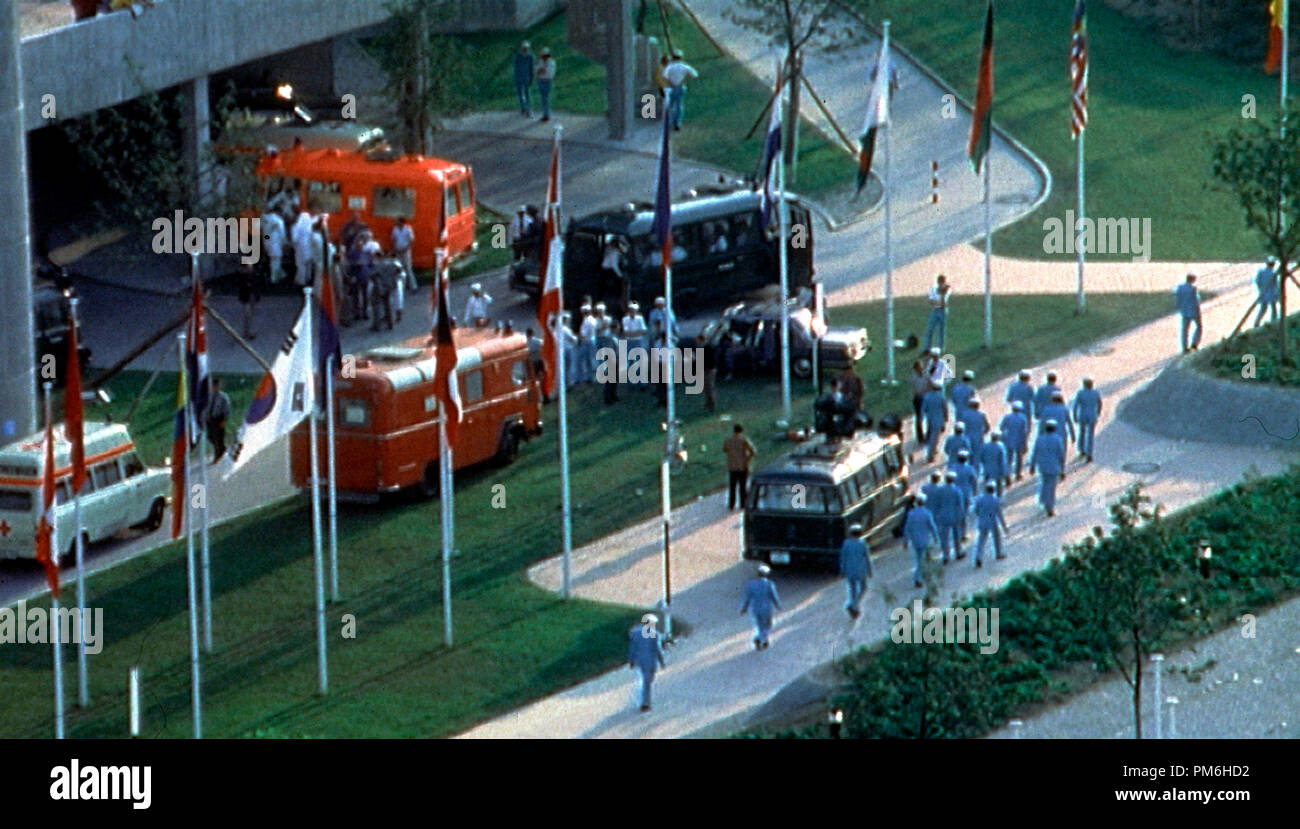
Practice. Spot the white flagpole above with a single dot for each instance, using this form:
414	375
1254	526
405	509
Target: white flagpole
55	634
883	84
333	484
318	557
83	677
566	513
1079	240
205	566
988	247
783	258
665	471
446	496
195	679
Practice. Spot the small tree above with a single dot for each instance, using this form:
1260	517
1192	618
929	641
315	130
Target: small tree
426	72
1116	596
1260	163
792	25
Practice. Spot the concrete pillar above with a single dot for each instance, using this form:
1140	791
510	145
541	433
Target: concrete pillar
197	130
17	331
620	70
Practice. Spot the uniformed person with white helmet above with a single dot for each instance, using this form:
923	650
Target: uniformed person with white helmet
1015	435
855	566
1086	408
956	443
962	391
949	507
1056	410
645	654
967	480
761	601
1048	460
1021	389
920	531
993	460
935	412
476	307
990	522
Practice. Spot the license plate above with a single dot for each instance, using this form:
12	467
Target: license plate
780	558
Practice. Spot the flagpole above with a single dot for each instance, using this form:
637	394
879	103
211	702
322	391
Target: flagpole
318	558
566	513
55	633
988	246
882	81
205	567
1079	240
195	679
83	677
333	484
446	492
783	257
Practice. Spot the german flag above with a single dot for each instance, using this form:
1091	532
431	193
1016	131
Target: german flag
981	123
1275	23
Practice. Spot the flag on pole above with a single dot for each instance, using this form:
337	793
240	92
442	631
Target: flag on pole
877	111
552	254
73	413
196	364
662	228
1078	72
179	450
981	123
45	553
326	329
285	396
445	358
1275	23
771	151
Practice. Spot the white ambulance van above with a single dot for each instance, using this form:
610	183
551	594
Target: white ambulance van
120	490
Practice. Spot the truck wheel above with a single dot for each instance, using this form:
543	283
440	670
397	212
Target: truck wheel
155	518
429	484
509	448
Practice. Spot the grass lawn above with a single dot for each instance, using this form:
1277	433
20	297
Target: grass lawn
1224	359
726	91
514	642
1153	113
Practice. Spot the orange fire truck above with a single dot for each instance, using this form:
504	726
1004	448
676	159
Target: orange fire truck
434	195
386	414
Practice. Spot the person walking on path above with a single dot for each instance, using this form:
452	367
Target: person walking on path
249	290
920	387
1086	408
1189	308
990	522
645	654
993	461
1266	283
956	443
938	321
919	529
1048	460
1022	390
218	414
935	412
948	506
967	480
1015	433
962	391
1043	395
739	452
1057	411
760	602
676	74
855	566
523	60
402	238
545	78
273	236
977	426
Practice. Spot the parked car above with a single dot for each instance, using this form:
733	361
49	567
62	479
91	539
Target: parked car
748	339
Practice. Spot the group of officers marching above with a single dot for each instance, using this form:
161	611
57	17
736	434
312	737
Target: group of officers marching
981	461
598	329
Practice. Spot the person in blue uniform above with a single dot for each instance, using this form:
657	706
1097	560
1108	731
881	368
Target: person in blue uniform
645	653
935	412
1266	284
948	507
993	461
990	522
928	488
1021	390
1048	460
962	391
977	427
1043	395
955	443
760	602
1086	408
1189	308
1015	435
855	566
967	480
920	531
1057	411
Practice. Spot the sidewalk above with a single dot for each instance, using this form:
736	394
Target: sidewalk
715	679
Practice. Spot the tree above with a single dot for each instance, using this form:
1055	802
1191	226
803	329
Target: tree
426	72
1260	163
1116	595
794	26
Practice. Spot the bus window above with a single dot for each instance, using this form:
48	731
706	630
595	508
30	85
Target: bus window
106	474
716	237
13	500
466	200
832	496
324	197
449	203
519	372
473	386
849	491
790	498
355	413
866	481
62	492
132	464
393	202
743	234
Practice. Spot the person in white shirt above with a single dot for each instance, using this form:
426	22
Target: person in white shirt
661	322
402	238
587	346
545	77
304	264
273	238
476	308
938	321
519	227
634	327
676	74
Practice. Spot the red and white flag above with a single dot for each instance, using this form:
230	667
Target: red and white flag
45	541
73	413
445	358
551	271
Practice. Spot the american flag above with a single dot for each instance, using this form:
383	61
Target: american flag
1078	72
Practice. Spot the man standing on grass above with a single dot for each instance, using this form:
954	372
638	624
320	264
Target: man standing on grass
545	78
739	452
760	602
938	321
855	566
645	654
1189	308
675	74
524	78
